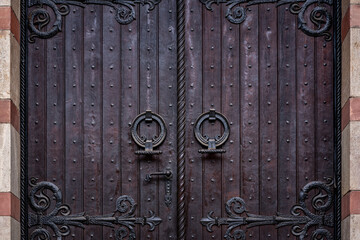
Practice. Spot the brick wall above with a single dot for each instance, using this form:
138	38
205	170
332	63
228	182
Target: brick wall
9	120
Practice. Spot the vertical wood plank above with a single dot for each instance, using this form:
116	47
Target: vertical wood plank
74	114
305	109
55	154
249	101
324	111
149	96
287	138
129	73
231	160
194	163
324	108
36	105
93	116
211	94
111	115
167	109
268	86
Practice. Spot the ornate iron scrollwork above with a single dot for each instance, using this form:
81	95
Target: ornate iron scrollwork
212	144
148	144
59	219
39	17
319	15
302	219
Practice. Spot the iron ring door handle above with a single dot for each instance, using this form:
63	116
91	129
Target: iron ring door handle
148	144
212	143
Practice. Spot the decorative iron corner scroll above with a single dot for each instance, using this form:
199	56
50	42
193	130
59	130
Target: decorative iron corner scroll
317	218
319	14
59	219
40	17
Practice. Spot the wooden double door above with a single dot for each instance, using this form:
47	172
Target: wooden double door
166	119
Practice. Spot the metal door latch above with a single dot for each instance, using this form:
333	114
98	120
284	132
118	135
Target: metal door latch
168	176
212	143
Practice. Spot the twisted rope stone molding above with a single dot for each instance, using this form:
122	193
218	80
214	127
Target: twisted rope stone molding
313	215
319	14
57	216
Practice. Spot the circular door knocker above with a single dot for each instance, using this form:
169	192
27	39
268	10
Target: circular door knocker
148	144
212	143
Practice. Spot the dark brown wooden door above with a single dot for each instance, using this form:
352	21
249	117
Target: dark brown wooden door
105	112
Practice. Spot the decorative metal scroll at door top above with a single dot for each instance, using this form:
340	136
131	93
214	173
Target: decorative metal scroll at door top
39	17
212	143
315	217
319	14
59	219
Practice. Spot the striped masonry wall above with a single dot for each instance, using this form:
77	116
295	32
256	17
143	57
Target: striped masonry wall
350	101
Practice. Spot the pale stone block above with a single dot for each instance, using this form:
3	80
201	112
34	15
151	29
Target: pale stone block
354	155
9	159
10	67
5	229
15	162
345	160
354	62
5	158
15	229
351	65
345	81
351	157
5	2
9	228
350	229
15	72
345	229
5	63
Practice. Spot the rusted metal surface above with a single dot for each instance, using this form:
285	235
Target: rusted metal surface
270	81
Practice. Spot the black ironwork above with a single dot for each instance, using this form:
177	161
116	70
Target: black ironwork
181	120
168	177
319	15
59	218
40	17
148	144
337	116
23	122
302	219
212	143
